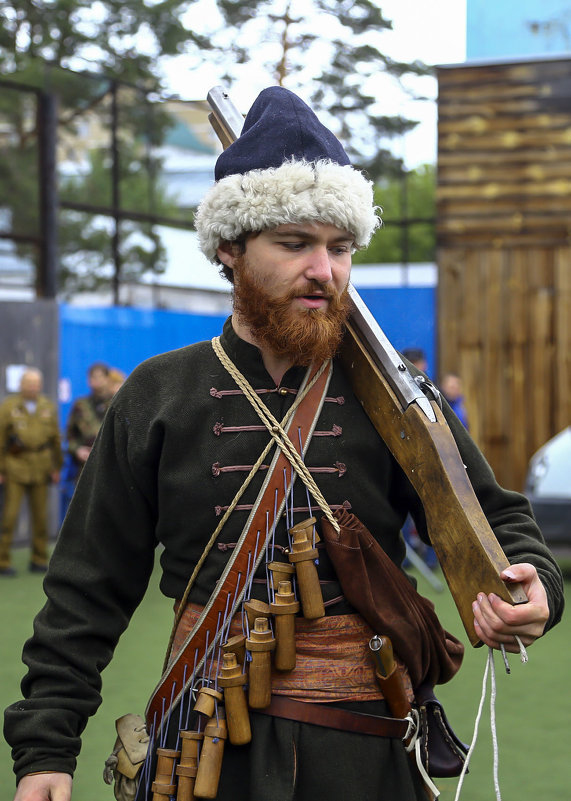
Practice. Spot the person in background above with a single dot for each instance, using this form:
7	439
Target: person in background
417	357
116	379
30	458
87	414
451	388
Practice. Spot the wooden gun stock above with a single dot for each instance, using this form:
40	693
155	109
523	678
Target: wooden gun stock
467	549
419	438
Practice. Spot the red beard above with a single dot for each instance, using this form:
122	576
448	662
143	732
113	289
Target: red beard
301	335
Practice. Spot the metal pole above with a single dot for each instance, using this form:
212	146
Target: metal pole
405	231
46	278
116	194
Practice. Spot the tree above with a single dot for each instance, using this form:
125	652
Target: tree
328	50
86	247
40	45
123	40
331	51
410	199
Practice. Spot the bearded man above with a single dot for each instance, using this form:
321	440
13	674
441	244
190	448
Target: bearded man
185	453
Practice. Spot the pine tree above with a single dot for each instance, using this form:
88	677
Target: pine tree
408	233
331	52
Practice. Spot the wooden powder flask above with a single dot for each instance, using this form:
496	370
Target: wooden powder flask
303	555
206	701
163	787
232	680
260	643
280	571
236	645
210	762
254	609
188	765
284	609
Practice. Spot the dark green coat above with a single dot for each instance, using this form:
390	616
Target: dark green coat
159	474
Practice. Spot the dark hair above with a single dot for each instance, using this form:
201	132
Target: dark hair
240	246
414	354
101	366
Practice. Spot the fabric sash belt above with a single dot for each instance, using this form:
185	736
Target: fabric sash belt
334	718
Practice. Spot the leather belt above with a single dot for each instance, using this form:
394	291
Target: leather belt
335	718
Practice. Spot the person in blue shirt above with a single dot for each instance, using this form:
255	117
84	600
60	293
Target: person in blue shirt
451	388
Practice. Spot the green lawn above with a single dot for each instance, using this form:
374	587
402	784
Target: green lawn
533	704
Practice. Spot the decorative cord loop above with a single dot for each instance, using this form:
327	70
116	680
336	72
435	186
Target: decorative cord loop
412	743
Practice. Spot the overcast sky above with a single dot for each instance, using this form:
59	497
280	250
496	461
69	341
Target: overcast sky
433	31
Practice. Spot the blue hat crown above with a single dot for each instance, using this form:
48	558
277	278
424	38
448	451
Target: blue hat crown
279	127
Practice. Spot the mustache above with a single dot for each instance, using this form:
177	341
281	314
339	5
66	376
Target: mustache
313	287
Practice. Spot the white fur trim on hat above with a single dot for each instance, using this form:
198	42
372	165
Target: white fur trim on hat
295	192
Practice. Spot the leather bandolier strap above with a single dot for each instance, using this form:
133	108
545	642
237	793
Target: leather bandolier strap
244	560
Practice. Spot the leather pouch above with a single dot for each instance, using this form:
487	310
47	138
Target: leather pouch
128	756
443	754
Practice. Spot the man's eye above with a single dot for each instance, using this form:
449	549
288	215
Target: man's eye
292	245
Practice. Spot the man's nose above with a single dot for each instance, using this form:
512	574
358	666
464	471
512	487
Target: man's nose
319	265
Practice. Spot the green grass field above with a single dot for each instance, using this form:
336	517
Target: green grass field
533	705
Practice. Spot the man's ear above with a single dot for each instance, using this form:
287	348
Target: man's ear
226	252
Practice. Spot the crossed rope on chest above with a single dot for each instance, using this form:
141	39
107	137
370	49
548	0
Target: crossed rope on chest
280	437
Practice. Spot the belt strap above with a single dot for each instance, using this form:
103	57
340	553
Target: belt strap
335	718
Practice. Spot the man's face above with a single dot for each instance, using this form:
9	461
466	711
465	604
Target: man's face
31	386
452	387
310	260
98	381
289	289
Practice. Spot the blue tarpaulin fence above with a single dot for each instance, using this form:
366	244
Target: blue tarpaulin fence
123	337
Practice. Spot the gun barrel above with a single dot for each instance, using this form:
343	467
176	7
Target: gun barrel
392	366
227	116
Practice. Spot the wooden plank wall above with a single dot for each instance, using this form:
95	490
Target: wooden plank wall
504	252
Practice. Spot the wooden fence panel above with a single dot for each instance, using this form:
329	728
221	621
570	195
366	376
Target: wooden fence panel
504	254
562	336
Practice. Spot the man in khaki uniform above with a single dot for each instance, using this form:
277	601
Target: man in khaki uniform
30	457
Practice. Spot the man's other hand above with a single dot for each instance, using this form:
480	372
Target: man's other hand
44	787
498	622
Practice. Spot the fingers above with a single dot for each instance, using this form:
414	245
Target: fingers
44	787
497	622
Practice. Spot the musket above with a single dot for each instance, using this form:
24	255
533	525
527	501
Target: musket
418	436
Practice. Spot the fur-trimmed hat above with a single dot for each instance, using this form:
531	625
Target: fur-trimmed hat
286	167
